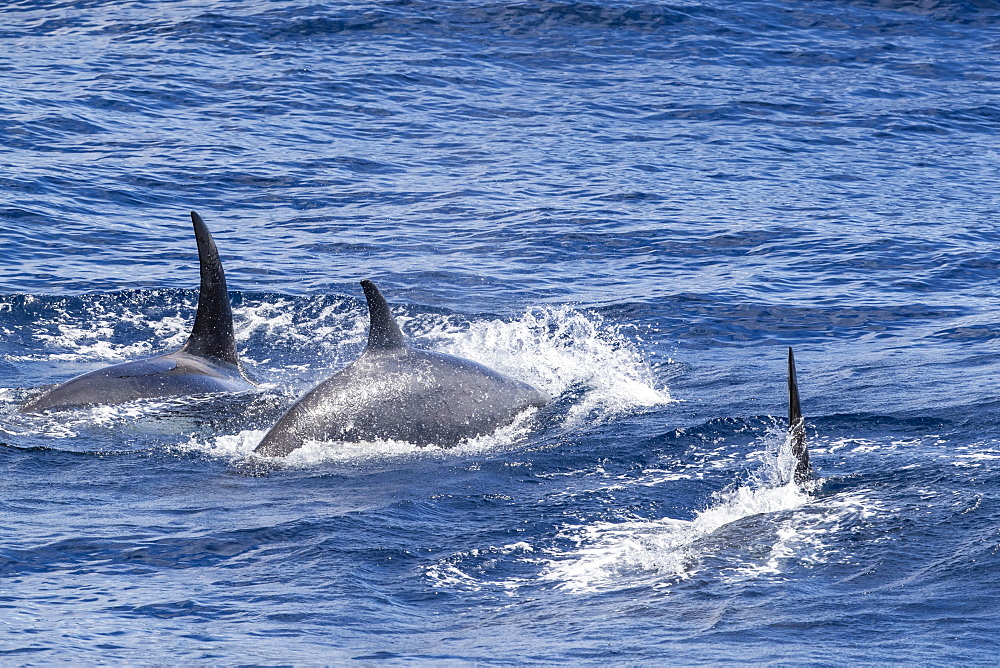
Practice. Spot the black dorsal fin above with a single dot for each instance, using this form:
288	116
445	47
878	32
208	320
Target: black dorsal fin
212	334
796	424
383	332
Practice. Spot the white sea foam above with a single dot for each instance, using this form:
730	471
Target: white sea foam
73	423
91	341
669	548
286	323
470	570
241	446
225	446
88	335
608	554
974	455
559	349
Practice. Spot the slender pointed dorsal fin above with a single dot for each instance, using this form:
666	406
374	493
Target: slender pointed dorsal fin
212	334
796	424
383	332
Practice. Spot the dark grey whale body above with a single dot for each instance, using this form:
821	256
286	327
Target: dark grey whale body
207	362
395	392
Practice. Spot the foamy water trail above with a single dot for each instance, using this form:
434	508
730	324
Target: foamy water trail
611	554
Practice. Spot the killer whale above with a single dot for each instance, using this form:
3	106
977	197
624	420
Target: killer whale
396	392
796	425
206	363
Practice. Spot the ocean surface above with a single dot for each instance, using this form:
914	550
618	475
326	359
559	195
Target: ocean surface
635	206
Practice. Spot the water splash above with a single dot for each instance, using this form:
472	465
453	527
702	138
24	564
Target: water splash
559	350
671	550
91	338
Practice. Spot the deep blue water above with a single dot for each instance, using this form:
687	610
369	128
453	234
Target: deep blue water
635	206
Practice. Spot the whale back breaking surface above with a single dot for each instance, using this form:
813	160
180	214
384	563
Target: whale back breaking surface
206	363
395	392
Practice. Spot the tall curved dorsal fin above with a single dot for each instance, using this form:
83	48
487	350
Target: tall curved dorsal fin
383	332
212	334
796	424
